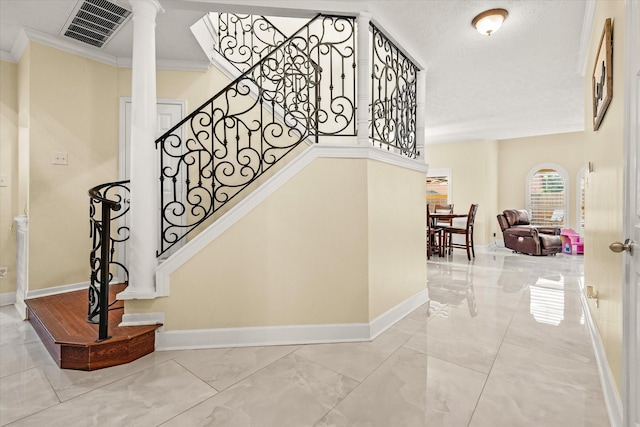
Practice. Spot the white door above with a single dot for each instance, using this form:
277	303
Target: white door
631	232
169	113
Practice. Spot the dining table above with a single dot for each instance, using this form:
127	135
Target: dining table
436	217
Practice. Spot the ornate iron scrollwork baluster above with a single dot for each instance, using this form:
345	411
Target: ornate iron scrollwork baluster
393	90
108	233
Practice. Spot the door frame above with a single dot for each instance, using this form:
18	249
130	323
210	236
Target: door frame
122	154
630	329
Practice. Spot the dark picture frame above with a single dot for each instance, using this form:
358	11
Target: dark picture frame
602	83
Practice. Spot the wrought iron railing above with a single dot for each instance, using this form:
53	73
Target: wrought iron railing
108	233
393	96
328	42
245	39
236	136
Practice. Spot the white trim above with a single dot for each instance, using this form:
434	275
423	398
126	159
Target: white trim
287	335
169	64
393	315
27	34
63	289
580	176
609	391
585	37
261	336
54	290
630	376
22	308
7	298
256	197
139	319
7	56
122	137
22	263
74	48
133	294
19	45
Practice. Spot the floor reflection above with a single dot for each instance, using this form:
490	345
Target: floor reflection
453	288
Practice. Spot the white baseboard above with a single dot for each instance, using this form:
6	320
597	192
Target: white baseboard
611	399
261	336
21	306
7	298
63	289
287	335
54	290
139	319
389	318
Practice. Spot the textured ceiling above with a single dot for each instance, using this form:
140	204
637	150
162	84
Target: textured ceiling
524	80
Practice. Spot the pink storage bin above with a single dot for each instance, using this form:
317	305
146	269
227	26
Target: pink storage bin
571	242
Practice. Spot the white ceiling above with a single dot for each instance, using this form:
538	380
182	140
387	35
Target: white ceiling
525	80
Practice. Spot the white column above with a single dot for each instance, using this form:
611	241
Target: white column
364	77
144	175
421	106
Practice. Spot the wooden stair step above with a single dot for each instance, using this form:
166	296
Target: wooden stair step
61	323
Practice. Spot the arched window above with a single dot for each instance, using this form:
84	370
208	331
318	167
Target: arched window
547	194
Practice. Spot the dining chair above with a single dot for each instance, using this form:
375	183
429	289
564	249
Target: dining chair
467	231
444	209
434	237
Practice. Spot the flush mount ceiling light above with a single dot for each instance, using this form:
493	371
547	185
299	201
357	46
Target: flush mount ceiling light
489	21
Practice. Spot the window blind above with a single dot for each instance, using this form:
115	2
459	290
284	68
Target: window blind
546	198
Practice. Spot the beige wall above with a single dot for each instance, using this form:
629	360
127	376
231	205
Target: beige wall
517	157
71	104
494	173
474	179
305	255
397	241
604	191
8	167
300	257
73	108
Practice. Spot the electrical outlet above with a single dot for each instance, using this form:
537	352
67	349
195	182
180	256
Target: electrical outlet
4	271
4	181
60	158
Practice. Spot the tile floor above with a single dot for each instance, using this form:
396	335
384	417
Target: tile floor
504	343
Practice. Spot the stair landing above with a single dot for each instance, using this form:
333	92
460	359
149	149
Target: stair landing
60	322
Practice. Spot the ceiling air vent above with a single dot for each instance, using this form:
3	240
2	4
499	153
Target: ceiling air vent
95	22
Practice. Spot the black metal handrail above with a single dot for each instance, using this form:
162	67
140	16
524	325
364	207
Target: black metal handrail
233	138
111	197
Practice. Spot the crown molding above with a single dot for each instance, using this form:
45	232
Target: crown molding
27	35
169	64
19	45
7	56
585	37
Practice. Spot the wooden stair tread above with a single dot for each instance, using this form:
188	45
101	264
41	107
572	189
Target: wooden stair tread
61	322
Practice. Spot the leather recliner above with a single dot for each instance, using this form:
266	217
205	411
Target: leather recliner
520	236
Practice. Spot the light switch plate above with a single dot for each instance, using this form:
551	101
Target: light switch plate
60	158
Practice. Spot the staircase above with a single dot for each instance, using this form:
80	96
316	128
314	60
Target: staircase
289	93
